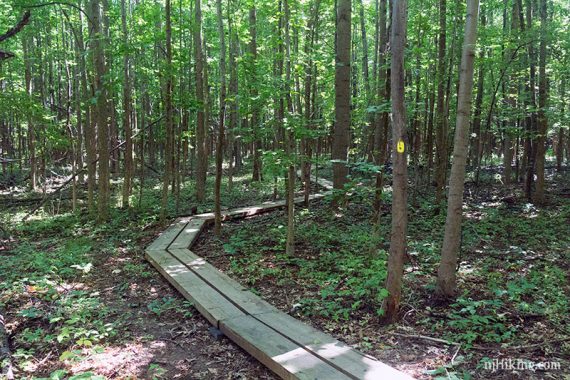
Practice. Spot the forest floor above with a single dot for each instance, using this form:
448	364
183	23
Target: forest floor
514	280
82	303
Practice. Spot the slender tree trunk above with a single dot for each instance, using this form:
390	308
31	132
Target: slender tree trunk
342	94
475	152
201	137
446	279
380	137
128	169
539	195
256	175
399	156
101	114
220	145
233	92
290	137
441	138
169	149
31	130
89	129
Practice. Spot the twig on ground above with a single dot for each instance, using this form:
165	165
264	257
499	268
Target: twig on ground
455	355
424	337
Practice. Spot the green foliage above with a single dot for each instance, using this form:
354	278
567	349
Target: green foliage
479	321
162	305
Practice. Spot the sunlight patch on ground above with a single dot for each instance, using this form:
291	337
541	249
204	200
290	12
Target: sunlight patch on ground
119	360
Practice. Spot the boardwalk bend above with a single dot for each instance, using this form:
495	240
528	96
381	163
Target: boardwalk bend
287	346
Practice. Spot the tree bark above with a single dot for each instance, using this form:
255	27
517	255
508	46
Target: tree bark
169	149
539	195
446	279
256	175
220	145
441	138
342	94
101	114
128	169
399	157
201	137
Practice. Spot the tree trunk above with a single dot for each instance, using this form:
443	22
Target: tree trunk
381	130
89	125
201	137
101	114
539	195
256	175
446	279
441	138
342	94
399	156
128	169
220	145
475	152
169	149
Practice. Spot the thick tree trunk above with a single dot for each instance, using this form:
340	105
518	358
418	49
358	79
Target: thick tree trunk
399	156
446	279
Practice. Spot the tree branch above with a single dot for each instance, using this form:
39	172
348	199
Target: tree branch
19	26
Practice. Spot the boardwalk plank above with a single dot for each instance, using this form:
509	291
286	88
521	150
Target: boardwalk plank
244	212
188	234
230	288
333	351
289	347
278	353
211	304
165	238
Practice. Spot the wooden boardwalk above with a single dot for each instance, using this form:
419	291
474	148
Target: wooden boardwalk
290	348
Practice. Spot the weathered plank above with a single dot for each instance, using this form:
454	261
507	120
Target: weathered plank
244	212
188	234
209	302
336	353
231	289
165	238
278	353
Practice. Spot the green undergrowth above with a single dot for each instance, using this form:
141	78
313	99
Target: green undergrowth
53	269
512	274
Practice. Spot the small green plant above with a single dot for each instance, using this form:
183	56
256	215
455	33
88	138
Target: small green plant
156	371
479	320
162	305
450	371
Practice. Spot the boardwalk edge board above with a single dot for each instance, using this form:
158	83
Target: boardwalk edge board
285	345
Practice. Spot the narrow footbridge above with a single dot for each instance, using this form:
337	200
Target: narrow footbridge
287	346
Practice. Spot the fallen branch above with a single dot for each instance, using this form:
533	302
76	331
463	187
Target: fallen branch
424	337
5	354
